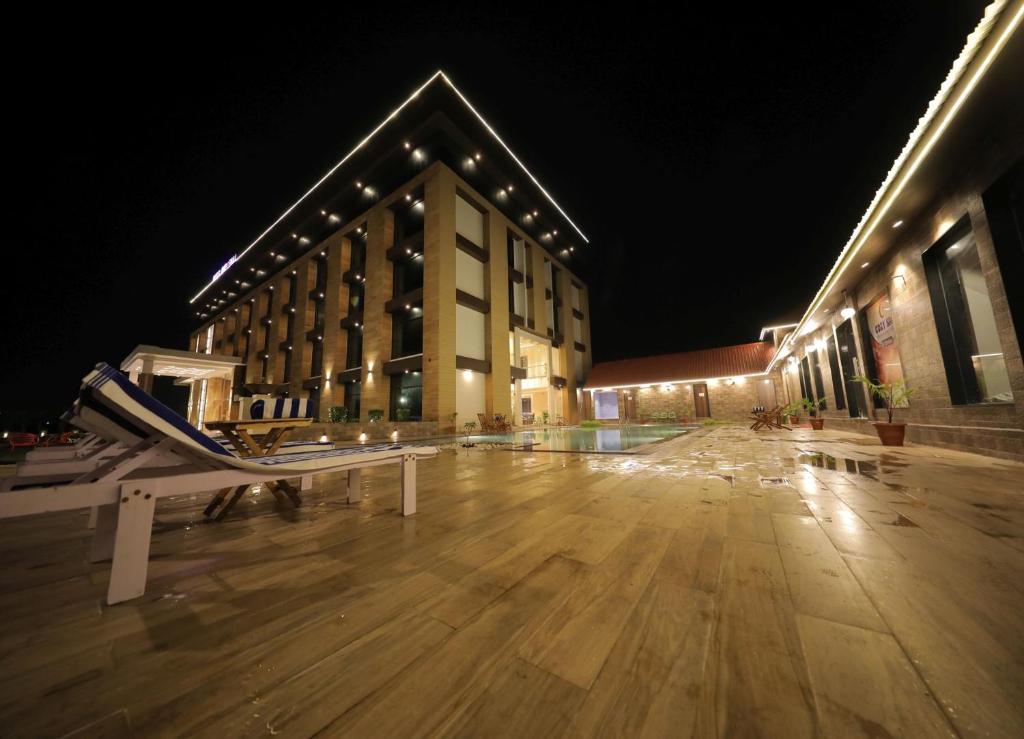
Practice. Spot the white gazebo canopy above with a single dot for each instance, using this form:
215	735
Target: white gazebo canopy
185	365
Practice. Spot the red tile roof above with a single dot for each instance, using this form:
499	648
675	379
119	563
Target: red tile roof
725	361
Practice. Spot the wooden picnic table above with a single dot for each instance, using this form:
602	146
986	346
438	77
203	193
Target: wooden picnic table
255	438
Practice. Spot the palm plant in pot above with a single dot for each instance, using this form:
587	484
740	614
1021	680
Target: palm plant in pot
893	395
812	407
793	412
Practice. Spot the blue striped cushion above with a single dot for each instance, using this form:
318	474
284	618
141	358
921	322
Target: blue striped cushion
281	408
105	373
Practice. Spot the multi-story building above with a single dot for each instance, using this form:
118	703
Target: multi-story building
427	274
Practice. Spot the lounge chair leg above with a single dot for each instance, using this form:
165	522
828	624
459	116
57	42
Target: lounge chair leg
354	477
131	543
293	495
408	484
104	520
93	513
306	482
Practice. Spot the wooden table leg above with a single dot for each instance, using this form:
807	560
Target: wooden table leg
239	491
273	440
252	448
217	500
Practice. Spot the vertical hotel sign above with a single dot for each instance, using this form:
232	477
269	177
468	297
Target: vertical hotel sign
885	346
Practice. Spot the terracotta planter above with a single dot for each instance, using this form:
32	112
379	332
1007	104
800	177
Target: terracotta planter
891	434
817	423
794	420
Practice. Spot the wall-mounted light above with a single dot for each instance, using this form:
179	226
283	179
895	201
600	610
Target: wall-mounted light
848	310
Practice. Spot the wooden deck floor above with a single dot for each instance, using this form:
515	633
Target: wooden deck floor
729	584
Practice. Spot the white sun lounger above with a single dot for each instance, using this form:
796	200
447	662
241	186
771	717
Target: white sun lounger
71	460
126	487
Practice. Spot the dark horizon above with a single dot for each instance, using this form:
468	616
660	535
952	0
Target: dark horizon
723	146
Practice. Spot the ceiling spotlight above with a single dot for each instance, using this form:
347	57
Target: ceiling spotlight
408	197
359	184
863	266
323	212
509	188
407	145
478	156
897	224
534	214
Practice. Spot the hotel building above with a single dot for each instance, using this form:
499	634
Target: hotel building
929	289
427	278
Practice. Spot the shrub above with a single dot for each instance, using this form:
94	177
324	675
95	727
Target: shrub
591	424
375	415
337	414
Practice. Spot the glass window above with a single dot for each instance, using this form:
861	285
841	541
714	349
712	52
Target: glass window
819	383
354	349
353	394
966	325
406	335
407	397
606	404
837	377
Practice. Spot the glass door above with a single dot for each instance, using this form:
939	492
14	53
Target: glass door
850	364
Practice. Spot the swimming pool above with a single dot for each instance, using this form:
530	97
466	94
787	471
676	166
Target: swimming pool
610	439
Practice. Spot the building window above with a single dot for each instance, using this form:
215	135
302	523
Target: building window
406	334
353	393
407	276
966	325
354	349
837	375
407	397
606	405
805	379
819	383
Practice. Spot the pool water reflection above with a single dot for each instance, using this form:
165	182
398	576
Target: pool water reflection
611	439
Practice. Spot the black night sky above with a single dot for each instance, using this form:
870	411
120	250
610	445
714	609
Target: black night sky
734	150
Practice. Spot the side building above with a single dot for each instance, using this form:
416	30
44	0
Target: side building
426	280
929	289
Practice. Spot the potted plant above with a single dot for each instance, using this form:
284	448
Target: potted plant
793	412
468	427
375	415
893	395
337	414
812	407
545	417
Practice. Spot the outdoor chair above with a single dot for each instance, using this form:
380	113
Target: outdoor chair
501	424
18	439
771	419
486	424
127	486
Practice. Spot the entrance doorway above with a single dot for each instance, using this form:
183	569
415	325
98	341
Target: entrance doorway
850	364
701	404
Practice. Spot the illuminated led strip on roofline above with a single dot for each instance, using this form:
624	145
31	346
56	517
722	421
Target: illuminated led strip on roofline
723	378
876	214
505	147
766	329
439	73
